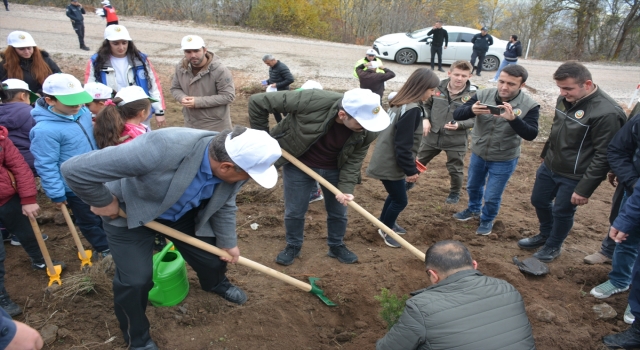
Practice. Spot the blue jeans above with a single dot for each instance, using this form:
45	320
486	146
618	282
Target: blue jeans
551	196
634	293
89	223
395	203
297	186
624	256
503	64
487	180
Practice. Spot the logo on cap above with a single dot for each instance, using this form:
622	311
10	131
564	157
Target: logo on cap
97	94
376	110
22	37
517	112
579	114
117	29
189	39
71	85
466	98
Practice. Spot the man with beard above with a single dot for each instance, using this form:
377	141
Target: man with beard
203	86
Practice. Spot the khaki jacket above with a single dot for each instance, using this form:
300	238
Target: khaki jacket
213	90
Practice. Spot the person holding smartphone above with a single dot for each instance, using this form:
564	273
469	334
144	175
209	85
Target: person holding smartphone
495	142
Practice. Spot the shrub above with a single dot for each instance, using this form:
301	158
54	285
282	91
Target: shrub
392	306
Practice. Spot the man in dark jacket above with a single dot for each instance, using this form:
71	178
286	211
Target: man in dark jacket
625	225
330	133
372	80
514	50
75	12
575	156
280	77
441	132
481	43
462	309
440	35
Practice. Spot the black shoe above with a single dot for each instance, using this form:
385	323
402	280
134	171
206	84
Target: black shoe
287	255
398	229
629	339
9	306
150	346
84	48
478	74
453	198
41	265
547	254
533	242
343	254
440	70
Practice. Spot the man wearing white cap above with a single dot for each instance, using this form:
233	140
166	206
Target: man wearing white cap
203	86
370	61
75	12
188	180
330	133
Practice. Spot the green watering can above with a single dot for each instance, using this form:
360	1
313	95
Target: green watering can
170	284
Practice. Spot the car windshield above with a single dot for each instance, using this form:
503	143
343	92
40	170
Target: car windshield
418	33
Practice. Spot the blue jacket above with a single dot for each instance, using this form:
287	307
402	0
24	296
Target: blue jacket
56	139
16	117
75	13
513	51
7	329
629	217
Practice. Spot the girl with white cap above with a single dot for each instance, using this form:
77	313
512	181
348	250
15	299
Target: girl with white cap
23	60
119	64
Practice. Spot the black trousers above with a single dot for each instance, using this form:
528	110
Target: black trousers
6	4
480	55
79	28
436	50
132	251
112	23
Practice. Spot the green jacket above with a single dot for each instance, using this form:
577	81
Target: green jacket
492	138
364	61
310	114
580	135
439	110
466	311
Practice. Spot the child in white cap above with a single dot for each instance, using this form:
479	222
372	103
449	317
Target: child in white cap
121	119
100	94
63	130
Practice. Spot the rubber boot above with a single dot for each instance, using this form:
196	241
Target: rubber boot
629	339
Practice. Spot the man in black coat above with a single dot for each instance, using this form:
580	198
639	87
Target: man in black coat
440	35
75	12
280	77
481	43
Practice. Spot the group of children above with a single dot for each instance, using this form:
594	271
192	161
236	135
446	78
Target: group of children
68	120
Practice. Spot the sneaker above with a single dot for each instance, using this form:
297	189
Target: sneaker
597	258
9	306
629	339
492	80
85	48
232	293
532	242
547	254
149	346
343	254
466	215
16	242
41	265
105	253
398	229
388	240
287	255
478	74
453	198
6	236
316	196
628	316
485	228
606	290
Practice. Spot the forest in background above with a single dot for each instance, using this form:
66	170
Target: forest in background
586	30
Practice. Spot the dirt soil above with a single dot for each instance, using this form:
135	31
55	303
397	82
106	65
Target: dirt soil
280	316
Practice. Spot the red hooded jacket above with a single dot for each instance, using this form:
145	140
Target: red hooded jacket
12	160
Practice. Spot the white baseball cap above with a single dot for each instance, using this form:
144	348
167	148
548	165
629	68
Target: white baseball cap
116	32
98	91
364	106
192	42
105	2
133	93
311	84
17	84
372	52
66	88
255	151
20	39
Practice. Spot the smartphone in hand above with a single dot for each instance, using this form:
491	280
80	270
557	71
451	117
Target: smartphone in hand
497	110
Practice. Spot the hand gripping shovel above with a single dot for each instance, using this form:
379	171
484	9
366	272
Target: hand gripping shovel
83	255
52	271
311	288
353	205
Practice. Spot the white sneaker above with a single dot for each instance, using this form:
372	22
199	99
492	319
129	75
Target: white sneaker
492	80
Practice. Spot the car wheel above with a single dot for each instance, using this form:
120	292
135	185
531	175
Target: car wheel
406	56
490	63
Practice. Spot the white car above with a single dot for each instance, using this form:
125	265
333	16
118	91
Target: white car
412	47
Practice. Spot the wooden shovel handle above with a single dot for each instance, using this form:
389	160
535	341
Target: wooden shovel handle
43	247
219	252
74	233
353	205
